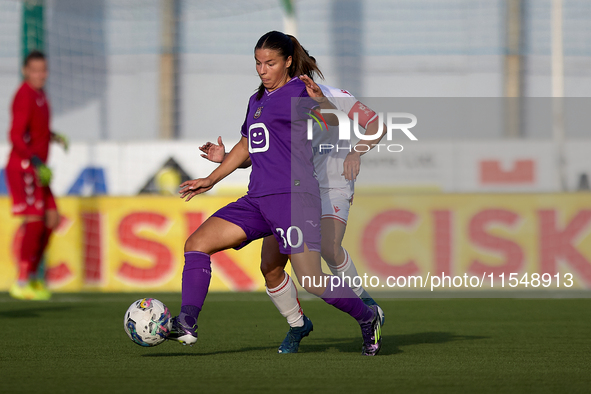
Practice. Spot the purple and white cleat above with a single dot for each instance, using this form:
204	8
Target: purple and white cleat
183	332
372	334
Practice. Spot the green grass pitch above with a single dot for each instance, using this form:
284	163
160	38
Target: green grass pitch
76	344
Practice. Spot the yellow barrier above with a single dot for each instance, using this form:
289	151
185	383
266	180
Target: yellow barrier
483	235
129	244
136	243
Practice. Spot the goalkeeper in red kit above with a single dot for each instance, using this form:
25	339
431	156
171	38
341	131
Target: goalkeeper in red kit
28	177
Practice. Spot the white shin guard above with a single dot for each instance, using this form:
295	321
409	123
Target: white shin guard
285	298
347	269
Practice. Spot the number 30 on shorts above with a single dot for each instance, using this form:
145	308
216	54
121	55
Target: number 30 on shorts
289	235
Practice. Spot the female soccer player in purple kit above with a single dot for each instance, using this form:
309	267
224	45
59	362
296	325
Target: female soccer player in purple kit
283	194
336	171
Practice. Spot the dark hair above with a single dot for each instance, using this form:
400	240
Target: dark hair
33	55
286	46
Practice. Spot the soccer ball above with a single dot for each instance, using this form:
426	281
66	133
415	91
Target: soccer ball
147	322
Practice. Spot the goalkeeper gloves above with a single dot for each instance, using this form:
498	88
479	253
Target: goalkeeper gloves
61	139
43	172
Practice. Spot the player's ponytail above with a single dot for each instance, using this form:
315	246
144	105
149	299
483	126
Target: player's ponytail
286	46
302	63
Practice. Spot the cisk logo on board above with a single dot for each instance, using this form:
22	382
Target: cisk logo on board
392	122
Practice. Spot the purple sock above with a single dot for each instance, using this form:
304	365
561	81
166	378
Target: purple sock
345	299
196	277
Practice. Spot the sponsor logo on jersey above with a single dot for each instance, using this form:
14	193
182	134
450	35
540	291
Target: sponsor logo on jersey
257	114
311	222
258	138
344	91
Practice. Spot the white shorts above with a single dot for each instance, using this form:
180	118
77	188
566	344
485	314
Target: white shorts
336	203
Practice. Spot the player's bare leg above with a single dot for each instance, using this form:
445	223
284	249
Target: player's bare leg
213	235
272	262
338	259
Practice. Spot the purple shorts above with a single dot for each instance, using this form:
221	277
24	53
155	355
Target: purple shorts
294	219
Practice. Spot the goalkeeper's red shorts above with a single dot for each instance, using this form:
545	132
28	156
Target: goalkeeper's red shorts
28	197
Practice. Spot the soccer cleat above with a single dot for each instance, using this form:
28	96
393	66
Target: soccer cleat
292	340
372	334
26	292
369	302
41	292
182	333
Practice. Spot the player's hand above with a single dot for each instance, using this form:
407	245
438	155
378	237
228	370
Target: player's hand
313	89
61	139
190	189
213	152
43	172
351	166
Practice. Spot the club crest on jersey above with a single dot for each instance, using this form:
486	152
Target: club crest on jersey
258	112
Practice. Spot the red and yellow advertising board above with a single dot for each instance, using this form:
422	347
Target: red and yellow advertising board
473	234
129	244
136	243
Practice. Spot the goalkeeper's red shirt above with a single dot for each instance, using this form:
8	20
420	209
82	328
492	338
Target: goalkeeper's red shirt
29	132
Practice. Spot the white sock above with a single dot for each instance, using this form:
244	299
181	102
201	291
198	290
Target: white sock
347	269
285	298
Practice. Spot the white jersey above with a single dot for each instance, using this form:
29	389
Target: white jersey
328	162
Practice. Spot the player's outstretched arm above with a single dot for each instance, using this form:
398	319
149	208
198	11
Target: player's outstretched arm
212	152
352	163
217	153
232	161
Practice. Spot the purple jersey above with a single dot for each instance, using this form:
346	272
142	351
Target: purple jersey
279	149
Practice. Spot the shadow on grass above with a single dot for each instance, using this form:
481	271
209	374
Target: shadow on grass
33	311
391	344
241	350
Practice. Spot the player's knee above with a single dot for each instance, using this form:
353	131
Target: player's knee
270	266
266	267
196	243
273	274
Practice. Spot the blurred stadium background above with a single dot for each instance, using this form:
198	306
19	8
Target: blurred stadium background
138	85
